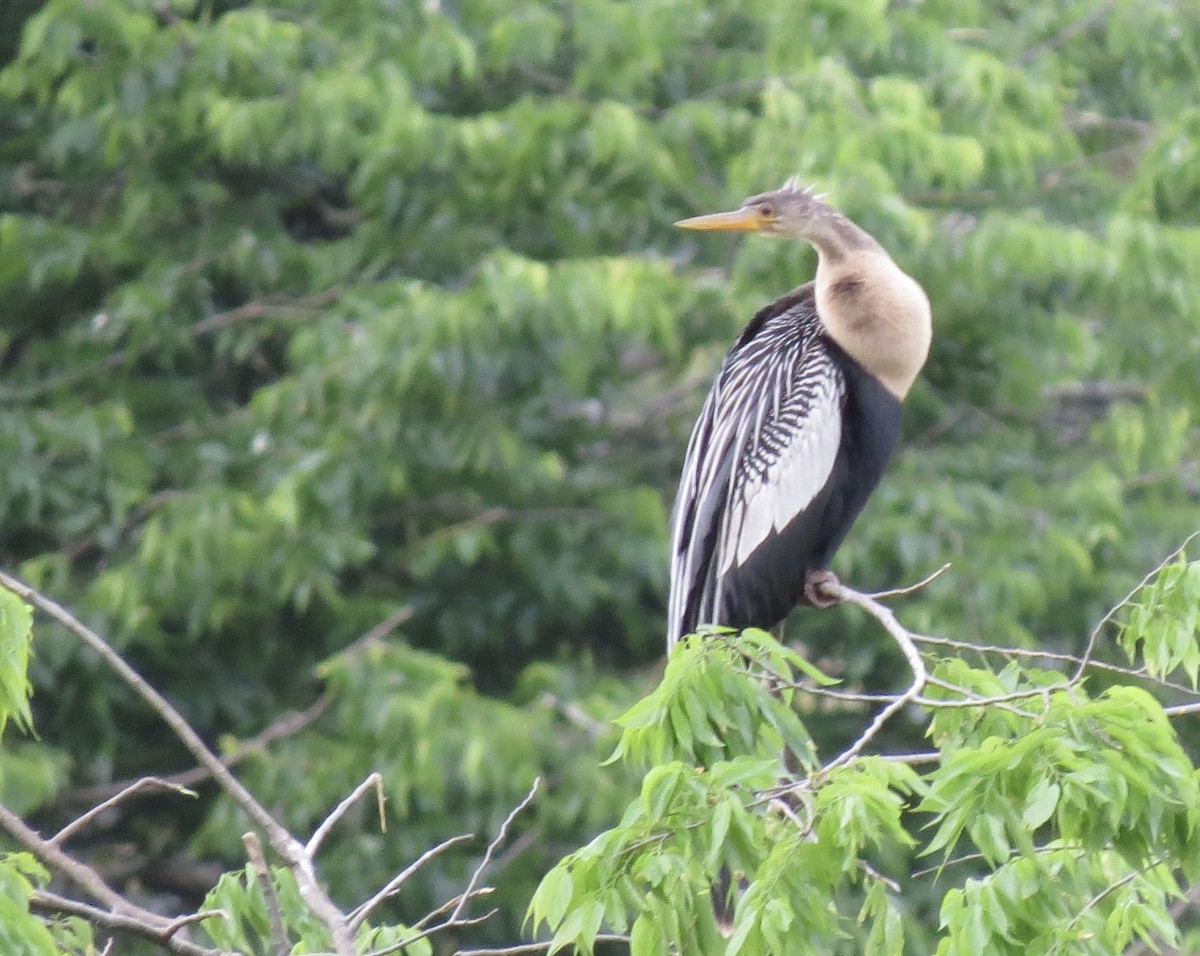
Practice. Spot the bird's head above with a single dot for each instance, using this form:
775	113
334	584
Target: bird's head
790	210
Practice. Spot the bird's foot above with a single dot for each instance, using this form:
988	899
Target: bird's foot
819	589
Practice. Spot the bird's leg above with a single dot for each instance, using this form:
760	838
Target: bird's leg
818	589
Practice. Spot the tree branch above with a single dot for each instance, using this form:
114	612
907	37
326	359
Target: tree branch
360	915
1094	635
491	848
162	932
905	641
373	780
287	846
146	783
75	870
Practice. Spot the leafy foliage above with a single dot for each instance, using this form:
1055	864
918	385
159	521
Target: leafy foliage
24	934
245	923
1082	812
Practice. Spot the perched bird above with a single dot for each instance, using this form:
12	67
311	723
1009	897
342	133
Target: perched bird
799	424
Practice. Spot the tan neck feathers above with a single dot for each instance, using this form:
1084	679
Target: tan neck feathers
836	237
874	310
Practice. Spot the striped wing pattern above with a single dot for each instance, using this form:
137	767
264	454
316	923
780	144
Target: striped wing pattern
764	446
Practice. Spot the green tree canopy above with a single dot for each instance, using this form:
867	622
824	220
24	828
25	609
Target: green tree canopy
328	313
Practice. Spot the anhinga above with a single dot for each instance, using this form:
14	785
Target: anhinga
799	424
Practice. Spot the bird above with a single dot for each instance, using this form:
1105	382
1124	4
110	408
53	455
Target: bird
798	426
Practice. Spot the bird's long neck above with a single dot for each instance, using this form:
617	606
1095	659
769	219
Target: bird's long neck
873	309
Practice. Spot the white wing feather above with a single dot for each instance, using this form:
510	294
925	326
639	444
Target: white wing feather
763	448
769	501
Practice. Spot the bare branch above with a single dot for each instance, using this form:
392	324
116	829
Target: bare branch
449	905
924	582
491	848
379	631
254	850
146	783
913	759
162	932
417	937
1112	888
287	725
286	845
904	640
374	780
1020	652
360	915
77	871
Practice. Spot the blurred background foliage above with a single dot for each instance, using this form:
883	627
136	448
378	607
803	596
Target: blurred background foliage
313	311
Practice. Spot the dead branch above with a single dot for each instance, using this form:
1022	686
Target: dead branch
491	848
162	932
360	915
287	725
146	783
374	780
254	850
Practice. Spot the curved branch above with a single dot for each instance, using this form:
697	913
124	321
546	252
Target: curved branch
905	641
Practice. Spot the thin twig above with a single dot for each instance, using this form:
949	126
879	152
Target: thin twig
1091	642
449	905
189	919
417	937
1138	673
904	640
287	725
924	582
374	780
491	848
360	915
379	631
146	783
1112	888
972	700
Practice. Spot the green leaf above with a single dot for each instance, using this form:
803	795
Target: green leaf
1041	803
553	896
16	634
721	820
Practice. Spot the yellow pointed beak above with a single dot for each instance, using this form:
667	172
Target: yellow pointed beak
748	219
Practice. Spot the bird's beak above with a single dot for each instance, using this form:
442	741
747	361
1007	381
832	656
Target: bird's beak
748	219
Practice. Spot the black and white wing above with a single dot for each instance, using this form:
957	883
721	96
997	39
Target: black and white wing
763	451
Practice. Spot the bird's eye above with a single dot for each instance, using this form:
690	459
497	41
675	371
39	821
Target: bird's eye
766	210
